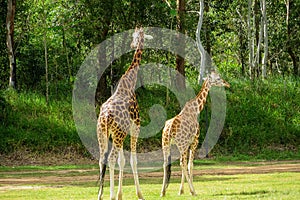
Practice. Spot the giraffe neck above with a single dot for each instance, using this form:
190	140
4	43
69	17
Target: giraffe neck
195	105
202	96
128	80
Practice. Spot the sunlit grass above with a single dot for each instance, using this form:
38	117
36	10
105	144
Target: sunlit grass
247	186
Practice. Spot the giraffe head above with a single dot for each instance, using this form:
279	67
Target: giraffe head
138	38
214	79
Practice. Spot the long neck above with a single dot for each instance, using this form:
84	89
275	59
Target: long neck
202	95
128	80
195	105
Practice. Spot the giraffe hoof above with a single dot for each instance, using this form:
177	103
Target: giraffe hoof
193	194
140	196
181	192
120	196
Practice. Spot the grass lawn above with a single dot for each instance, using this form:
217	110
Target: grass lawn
284	185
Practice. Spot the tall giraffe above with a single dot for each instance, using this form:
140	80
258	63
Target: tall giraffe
184	130
118	116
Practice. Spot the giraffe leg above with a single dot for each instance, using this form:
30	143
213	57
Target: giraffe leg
181	189
102	165
133	163
167	169
112	161
191	165
183	164
191	158
121	162
183	161
103	149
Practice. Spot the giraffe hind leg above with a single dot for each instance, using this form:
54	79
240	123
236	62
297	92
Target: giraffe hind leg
167	170
103	149
183	163
103	166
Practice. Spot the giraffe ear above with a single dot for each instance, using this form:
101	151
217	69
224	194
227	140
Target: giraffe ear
135	35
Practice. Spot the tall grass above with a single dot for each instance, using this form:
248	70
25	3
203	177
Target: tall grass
262	121
262	117
28	122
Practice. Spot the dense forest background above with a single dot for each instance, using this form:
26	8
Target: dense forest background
254	45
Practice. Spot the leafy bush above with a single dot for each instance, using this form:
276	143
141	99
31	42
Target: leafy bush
262	120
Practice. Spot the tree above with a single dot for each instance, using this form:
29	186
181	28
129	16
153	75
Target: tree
11	10
290	5
180	80
46	50
265	32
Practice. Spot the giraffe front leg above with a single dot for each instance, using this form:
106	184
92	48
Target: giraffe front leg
193	148
133	163
121	162
191	166
183	163
181	189
112	161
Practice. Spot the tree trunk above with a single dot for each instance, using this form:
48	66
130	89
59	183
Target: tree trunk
46	53
102	90
199	43
258	38
11	9
242	48
265	30
250	39
207	29
66	51
180	77
290	51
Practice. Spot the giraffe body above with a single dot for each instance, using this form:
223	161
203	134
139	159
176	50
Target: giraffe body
119	116
183	130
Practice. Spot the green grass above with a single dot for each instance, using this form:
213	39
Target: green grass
249	186
283	185
29	123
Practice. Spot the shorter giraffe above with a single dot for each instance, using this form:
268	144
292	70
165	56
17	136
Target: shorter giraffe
184	131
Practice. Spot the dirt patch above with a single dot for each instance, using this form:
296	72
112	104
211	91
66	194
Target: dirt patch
59	178
67	156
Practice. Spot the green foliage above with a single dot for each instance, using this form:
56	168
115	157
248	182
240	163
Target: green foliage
29	123
262	117
262	120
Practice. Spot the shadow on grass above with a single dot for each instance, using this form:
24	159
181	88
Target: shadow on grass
245	193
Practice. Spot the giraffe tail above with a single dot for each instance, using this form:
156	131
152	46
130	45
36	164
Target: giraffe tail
168	170
102	174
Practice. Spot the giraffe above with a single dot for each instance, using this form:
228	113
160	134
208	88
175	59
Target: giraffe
184	131
118	116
